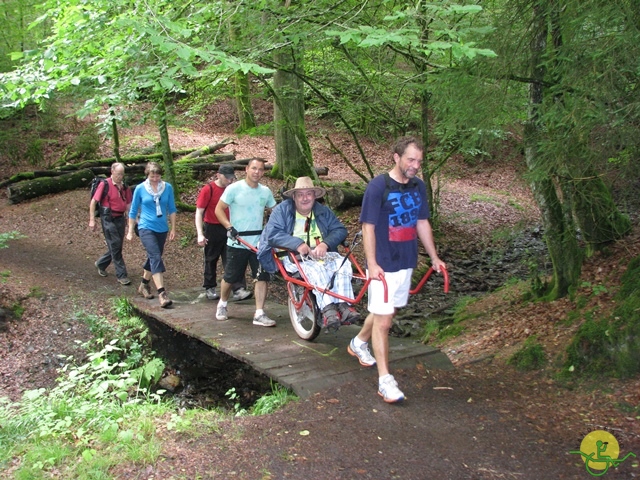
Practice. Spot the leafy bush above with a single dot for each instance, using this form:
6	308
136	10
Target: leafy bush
530	357
5	237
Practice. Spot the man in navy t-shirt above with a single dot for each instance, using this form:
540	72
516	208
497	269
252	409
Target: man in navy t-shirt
395	213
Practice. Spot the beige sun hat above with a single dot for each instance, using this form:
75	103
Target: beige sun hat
305	183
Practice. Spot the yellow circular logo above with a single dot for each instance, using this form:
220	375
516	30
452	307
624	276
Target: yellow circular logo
599	449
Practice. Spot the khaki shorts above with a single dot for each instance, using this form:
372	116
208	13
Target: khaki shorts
398	286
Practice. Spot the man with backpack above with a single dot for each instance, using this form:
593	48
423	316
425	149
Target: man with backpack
213	236
395	213
111	201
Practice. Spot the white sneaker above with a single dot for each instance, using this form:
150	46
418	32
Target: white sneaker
388	390
242	294
221	312
264	321
364	355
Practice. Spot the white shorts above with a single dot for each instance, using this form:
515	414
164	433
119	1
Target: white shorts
398	286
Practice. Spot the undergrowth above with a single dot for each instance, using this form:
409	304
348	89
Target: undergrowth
610	346
531	356
103	411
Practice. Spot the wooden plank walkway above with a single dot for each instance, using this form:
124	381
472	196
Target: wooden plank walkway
304	367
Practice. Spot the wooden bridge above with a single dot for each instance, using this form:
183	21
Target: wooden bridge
304	367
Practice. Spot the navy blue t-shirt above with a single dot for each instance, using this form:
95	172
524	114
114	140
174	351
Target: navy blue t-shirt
395	221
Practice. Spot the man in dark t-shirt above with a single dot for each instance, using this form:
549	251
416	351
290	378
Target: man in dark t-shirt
395	213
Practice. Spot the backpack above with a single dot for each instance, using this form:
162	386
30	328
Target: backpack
93	186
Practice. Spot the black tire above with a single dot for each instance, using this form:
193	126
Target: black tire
304	320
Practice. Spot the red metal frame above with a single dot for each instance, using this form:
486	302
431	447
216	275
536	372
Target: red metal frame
360	275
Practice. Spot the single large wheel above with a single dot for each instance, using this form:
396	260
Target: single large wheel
303	319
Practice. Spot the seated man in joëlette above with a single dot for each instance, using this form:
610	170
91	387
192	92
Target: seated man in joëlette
302	225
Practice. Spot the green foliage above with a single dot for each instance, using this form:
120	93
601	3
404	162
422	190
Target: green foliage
273	401
4	275
91	404
34	152
189	237
531	356
104	405
430	328
5	237
611	346
266	129
234	398
88	142
452	330
17	309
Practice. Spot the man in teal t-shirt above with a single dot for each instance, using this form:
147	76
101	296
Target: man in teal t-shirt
246	201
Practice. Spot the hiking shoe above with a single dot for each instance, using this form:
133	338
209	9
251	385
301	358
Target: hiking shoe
242	294
330	317
388	389
263	321
221	312
124	281
145	290
212	294
348	314
364	355
164	299
101	272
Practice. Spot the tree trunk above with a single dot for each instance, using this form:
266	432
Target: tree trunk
42	186
243	102
165	147
115	135
293	153
560	235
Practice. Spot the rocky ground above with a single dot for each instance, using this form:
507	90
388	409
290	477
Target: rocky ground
482	420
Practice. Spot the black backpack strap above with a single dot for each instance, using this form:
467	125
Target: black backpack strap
105	190
387	188
210	197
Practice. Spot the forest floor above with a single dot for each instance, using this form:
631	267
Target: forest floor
481	420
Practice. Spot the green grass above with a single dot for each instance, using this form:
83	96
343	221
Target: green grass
530	357
105	411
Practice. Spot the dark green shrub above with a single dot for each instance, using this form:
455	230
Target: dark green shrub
88	142
530	357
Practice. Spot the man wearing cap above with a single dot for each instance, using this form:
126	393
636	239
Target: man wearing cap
311	229
213	236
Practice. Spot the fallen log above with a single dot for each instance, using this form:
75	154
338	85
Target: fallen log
126	160
209	149
37	187
208	159
343	197
19	177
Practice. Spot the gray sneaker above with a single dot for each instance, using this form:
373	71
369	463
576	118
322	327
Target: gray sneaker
389	391
212	294
264	321
124	281
221	312
101	272
242	294
362	353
